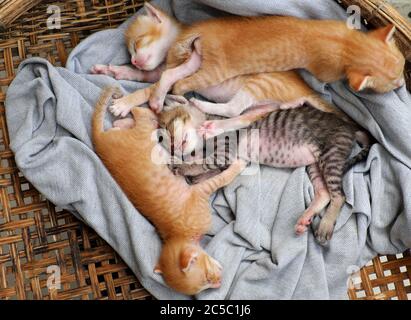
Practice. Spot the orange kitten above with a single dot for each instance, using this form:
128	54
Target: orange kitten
149	38
180	212
328	49
231	47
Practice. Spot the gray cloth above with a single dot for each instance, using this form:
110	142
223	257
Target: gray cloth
49	111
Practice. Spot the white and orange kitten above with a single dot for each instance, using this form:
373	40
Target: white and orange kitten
149	38
208	55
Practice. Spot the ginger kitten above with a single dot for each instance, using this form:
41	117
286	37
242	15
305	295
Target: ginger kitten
327	49
211	52
149	38
180	212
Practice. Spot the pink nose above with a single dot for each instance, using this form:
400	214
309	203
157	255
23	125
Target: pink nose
139	62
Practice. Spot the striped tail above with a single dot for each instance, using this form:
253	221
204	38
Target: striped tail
363	154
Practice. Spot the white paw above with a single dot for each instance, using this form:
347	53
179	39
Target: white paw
99	69
117	73
209	129
120	108
156	103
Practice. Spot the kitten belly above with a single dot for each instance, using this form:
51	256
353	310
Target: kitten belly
223	92
285	154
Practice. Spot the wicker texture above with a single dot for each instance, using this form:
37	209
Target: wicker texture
385	277
34	234
10	10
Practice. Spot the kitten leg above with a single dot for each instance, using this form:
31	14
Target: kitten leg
171	76
333	166
127	72
221	180
320	201
121	107
212	128
241	101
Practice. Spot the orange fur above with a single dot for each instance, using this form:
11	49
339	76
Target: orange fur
328	49
154	32
277	87
248	54
180	212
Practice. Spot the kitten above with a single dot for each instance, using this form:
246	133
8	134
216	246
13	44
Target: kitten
328	49
179	211
210	52
288	139
149	38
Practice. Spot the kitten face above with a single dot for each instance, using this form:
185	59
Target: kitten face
149	37
387	73
181	124
187	268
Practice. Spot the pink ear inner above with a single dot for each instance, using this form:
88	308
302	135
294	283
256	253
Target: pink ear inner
187	258
385	33
152	12
358	81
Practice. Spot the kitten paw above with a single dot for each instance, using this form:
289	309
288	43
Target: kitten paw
325	231
126	73
100	69
120	107
302	224
208	129
156	103
115	72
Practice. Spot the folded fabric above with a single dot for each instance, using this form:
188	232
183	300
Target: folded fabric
49	113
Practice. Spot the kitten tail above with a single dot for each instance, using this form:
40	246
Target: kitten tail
364	140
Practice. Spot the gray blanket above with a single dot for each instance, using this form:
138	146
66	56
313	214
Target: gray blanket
49	111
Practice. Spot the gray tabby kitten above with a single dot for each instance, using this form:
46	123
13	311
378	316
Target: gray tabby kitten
291	138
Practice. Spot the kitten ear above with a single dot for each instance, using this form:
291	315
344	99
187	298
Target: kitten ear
358	81
157	269
153	12
385	34
187	258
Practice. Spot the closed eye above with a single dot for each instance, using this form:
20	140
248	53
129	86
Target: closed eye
139	43
184	139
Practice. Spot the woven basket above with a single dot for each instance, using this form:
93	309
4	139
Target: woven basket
35	235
